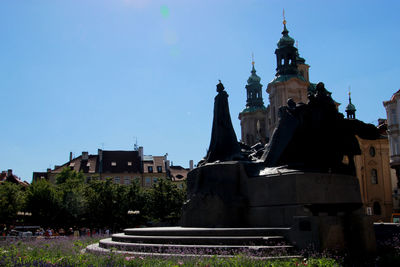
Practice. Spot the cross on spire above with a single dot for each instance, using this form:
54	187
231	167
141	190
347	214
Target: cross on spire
284	19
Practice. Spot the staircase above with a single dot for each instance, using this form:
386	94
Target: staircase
189	241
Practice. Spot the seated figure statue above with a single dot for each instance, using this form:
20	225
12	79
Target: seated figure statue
316	137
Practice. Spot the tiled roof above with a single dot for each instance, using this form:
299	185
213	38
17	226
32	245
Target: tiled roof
120	161
5	177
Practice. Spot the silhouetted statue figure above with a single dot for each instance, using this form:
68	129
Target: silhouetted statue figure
224	145
316	137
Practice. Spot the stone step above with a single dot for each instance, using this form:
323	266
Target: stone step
196	249
199	240
193	231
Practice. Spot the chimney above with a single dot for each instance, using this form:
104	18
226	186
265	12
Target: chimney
191	164
9	172
100	155
141	152
70	156
49	169
85	155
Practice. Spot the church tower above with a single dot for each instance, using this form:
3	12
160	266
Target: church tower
350	109
253	117
291	79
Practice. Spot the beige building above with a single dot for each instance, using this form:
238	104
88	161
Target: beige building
392	107
179	174
375	177
123	167
154	168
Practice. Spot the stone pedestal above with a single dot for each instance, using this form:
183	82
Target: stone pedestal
320	208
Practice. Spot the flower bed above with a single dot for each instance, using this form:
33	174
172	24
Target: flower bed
68	252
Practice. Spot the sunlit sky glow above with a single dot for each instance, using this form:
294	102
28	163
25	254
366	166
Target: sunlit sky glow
79	75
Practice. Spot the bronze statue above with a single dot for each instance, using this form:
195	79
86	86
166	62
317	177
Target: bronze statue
224	145
316	137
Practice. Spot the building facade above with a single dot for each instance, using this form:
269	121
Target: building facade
392	107
375	177
123	167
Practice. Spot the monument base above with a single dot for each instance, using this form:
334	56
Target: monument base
322	209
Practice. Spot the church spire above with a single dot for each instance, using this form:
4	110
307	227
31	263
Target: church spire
286	54
254	90
350	109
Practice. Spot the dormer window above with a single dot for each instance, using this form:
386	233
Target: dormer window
129	163
113	163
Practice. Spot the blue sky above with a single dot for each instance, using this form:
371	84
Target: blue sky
88	74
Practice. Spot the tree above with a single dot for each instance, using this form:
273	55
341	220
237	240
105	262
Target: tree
166	201
12	200
43	201
67	174
71	188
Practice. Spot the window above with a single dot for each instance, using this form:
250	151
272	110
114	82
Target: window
150	169
374	176
377	208
113	163
72	164
88	164
154	180
129	163
117	180
159	168
127	180
372	151
147	181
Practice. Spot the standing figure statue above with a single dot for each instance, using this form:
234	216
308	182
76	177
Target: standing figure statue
224	145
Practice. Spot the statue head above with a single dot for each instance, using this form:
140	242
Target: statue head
220	87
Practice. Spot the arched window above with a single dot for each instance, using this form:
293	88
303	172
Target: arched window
377	208
372	151
374	176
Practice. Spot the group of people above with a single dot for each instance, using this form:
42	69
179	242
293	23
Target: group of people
50	232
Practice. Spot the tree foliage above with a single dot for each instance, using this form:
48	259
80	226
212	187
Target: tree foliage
72	202
12	199
44	202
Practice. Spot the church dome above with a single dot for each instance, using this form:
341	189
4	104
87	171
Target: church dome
285	40
350	107
254	78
